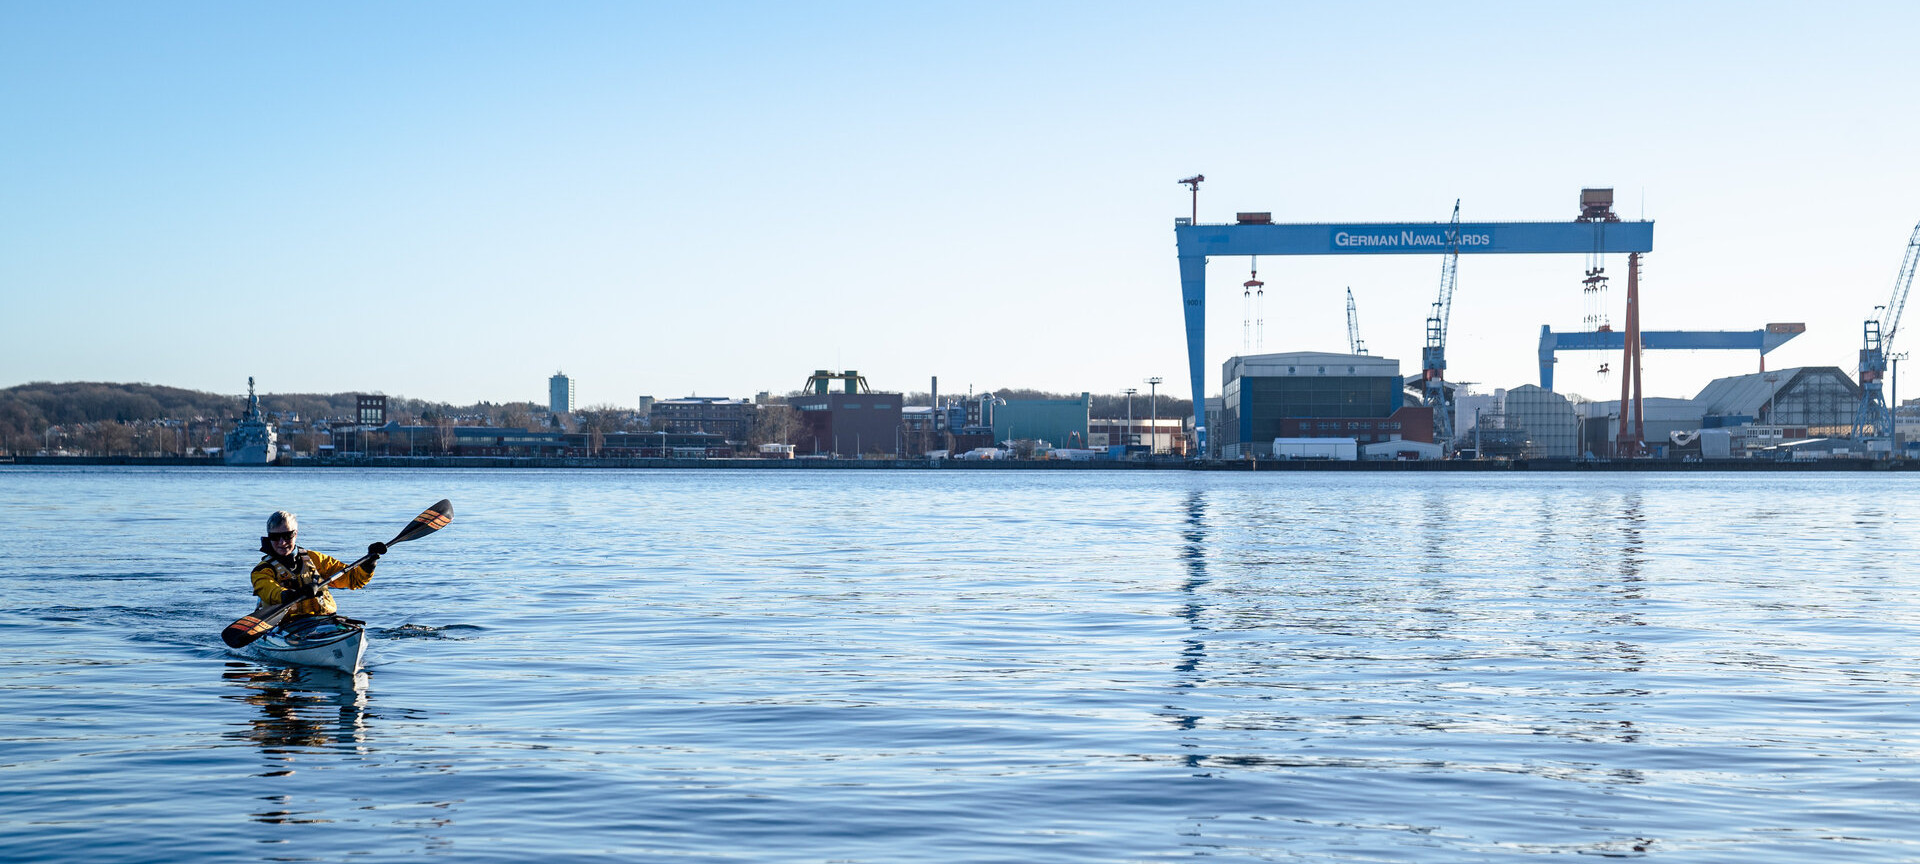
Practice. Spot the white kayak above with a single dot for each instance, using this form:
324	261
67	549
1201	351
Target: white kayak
332	642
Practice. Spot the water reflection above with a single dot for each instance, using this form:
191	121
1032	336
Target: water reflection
1632	530
1435	532
1193	553
1360	621
299	707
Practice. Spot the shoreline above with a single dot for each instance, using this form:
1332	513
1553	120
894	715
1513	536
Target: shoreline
529	462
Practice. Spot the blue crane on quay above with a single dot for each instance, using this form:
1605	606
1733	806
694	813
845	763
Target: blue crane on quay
1763	340
1873	420
1256	234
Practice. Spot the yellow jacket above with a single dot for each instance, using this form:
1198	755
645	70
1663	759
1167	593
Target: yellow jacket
270	578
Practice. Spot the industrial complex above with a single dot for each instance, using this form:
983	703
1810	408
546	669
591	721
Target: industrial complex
1293	405
1282	405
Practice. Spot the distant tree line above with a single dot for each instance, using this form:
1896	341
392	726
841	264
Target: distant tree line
31	407
107	419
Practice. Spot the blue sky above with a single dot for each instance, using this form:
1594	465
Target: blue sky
452	201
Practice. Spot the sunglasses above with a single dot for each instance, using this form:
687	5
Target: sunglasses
281	536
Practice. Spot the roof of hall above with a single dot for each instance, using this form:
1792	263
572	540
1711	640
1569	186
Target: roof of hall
1312	362
1747	394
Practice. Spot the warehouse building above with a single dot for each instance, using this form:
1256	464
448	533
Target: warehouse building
1059	422
717	415
847	424
1310	394
1819	399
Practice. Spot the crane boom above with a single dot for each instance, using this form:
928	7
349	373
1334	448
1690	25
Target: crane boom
1355	345
1434	358
1890	322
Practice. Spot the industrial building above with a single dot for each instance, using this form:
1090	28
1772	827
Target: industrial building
396	439
1310	394
1819	399
1662	417
1141	434
1545	424
853	422
1762	410
1058	422
718	415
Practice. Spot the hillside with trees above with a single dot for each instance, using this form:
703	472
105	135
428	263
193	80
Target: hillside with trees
100	418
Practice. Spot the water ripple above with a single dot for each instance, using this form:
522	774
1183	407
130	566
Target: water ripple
979	666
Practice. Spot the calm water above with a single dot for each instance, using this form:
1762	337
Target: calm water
972	666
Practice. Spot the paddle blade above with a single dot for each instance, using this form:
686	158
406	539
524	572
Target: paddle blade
241	633
430	520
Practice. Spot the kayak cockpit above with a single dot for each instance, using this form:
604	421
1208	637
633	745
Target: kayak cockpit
331	641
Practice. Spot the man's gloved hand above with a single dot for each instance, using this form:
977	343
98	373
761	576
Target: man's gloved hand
376	549
303	591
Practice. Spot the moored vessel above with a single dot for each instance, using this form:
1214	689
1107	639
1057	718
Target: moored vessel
253	441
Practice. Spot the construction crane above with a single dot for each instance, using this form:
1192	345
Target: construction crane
1874	420
1355	345
1193	183
1434	358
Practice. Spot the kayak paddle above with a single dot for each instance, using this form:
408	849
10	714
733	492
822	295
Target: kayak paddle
241	633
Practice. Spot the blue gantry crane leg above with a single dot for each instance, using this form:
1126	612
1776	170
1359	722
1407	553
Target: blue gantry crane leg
1763	341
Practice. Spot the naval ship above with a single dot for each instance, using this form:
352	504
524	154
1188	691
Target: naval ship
254	441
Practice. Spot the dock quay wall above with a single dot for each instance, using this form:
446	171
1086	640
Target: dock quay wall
1265	465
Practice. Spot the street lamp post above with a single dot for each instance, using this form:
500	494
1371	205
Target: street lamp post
1773	390
1127	439
1153	445
1893	383
1893	395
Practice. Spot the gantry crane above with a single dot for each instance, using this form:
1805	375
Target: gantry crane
1874	420
1257	234
1355	344
1434	358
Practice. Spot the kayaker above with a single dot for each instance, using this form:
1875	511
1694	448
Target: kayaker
288	572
